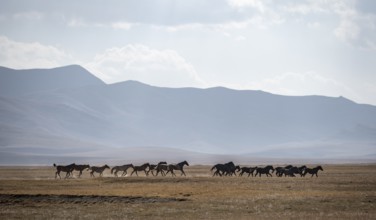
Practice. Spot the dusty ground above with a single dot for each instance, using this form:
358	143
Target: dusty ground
340	192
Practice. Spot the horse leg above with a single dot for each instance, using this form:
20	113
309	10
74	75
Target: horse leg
182	172
58	173
124	173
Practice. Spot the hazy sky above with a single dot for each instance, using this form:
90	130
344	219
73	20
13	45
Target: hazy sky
291	47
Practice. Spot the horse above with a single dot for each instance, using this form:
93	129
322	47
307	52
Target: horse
301	170
68	169
154	167
226	169
291	171
313	171
179	166
219	167
248	170
264	170
233	170
279	171
143	167
288	166
80	168
123	168
161	168
98	170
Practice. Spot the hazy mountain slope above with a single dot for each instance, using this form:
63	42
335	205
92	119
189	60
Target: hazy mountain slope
88	114
18	82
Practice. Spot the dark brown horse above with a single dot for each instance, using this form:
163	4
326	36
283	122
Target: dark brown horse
68	169
265	170
123	168
248	170
154	167
143	167
313	171
161	168
178	166
98	170
80	168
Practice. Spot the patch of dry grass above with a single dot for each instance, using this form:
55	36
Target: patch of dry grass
340	192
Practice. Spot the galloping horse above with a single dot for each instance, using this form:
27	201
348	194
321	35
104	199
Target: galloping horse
80	168
313	171
143	167
98	170
154	167
161	168
226	169
219	168
302	169
291	171
248	170
264	170
279	171
68	169
123	168
178	166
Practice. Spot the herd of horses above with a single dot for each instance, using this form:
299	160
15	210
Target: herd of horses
227	169
161	168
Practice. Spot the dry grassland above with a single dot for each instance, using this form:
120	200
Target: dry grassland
340	192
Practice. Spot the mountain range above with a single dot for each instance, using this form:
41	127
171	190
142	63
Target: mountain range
66	113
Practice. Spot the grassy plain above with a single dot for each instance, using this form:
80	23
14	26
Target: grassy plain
340	192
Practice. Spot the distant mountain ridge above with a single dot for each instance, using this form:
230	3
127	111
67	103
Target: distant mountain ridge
18	82
70	112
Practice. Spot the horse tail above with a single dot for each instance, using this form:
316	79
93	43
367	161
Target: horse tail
213	168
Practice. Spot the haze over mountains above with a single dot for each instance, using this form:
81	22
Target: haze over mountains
66	114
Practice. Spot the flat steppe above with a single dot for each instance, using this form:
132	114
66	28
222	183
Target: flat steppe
340	192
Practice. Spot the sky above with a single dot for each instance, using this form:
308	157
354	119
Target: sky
290	47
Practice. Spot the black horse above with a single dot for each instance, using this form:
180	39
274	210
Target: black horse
219	168
224	169
68	169
123	168
154	167
264	170
143	167
302	169
80	168
98	170
313	171
248	170
279	171
291	172
179	166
